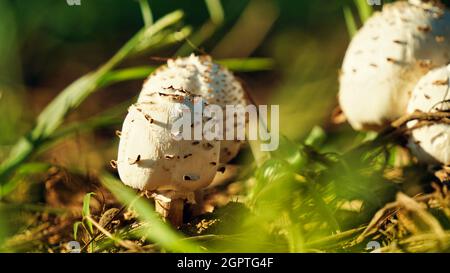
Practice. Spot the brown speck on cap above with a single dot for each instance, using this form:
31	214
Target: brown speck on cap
113	164
440	39
400	42
208	146
441	82
426	96
186	178
191	177
147	117
424	28
373	65
134	161
391	60
425	63
213	163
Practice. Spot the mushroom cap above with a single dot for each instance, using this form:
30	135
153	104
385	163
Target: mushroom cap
431	143
151	158
387	57
200	76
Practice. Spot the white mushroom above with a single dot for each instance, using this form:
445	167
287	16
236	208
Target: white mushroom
431	143
151	158
387	57
199	76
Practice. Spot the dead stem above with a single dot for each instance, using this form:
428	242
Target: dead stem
124	243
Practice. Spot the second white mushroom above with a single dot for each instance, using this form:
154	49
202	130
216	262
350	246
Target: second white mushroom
388	56
431	142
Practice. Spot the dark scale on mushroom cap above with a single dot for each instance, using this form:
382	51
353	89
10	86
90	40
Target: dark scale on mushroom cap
424	28
113	164
186	178
134	161
440	82
208	146
400	42
191	177
440	39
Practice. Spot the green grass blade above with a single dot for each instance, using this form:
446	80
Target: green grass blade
364	9
350	21
22	172
127	74
76	226
87	211
234	64
215	10
248	64
216	19
146	12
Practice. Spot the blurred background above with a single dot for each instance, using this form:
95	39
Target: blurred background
48	44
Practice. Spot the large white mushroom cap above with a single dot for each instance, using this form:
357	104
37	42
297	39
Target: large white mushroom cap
151	158
199	76
387	57
431	143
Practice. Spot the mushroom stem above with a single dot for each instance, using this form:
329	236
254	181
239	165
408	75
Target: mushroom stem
171	209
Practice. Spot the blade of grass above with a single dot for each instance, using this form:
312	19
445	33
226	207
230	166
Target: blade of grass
163	40
248	64
216	11
127	74
234	64
216	19
364	9
86	212
76	226
146	12
350	21
22	172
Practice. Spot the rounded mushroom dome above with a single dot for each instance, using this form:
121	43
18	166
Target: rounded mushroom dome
388	56
151	157
199	76
430	142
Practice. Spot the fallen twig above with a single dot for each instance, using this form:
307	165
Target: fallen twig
124	243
